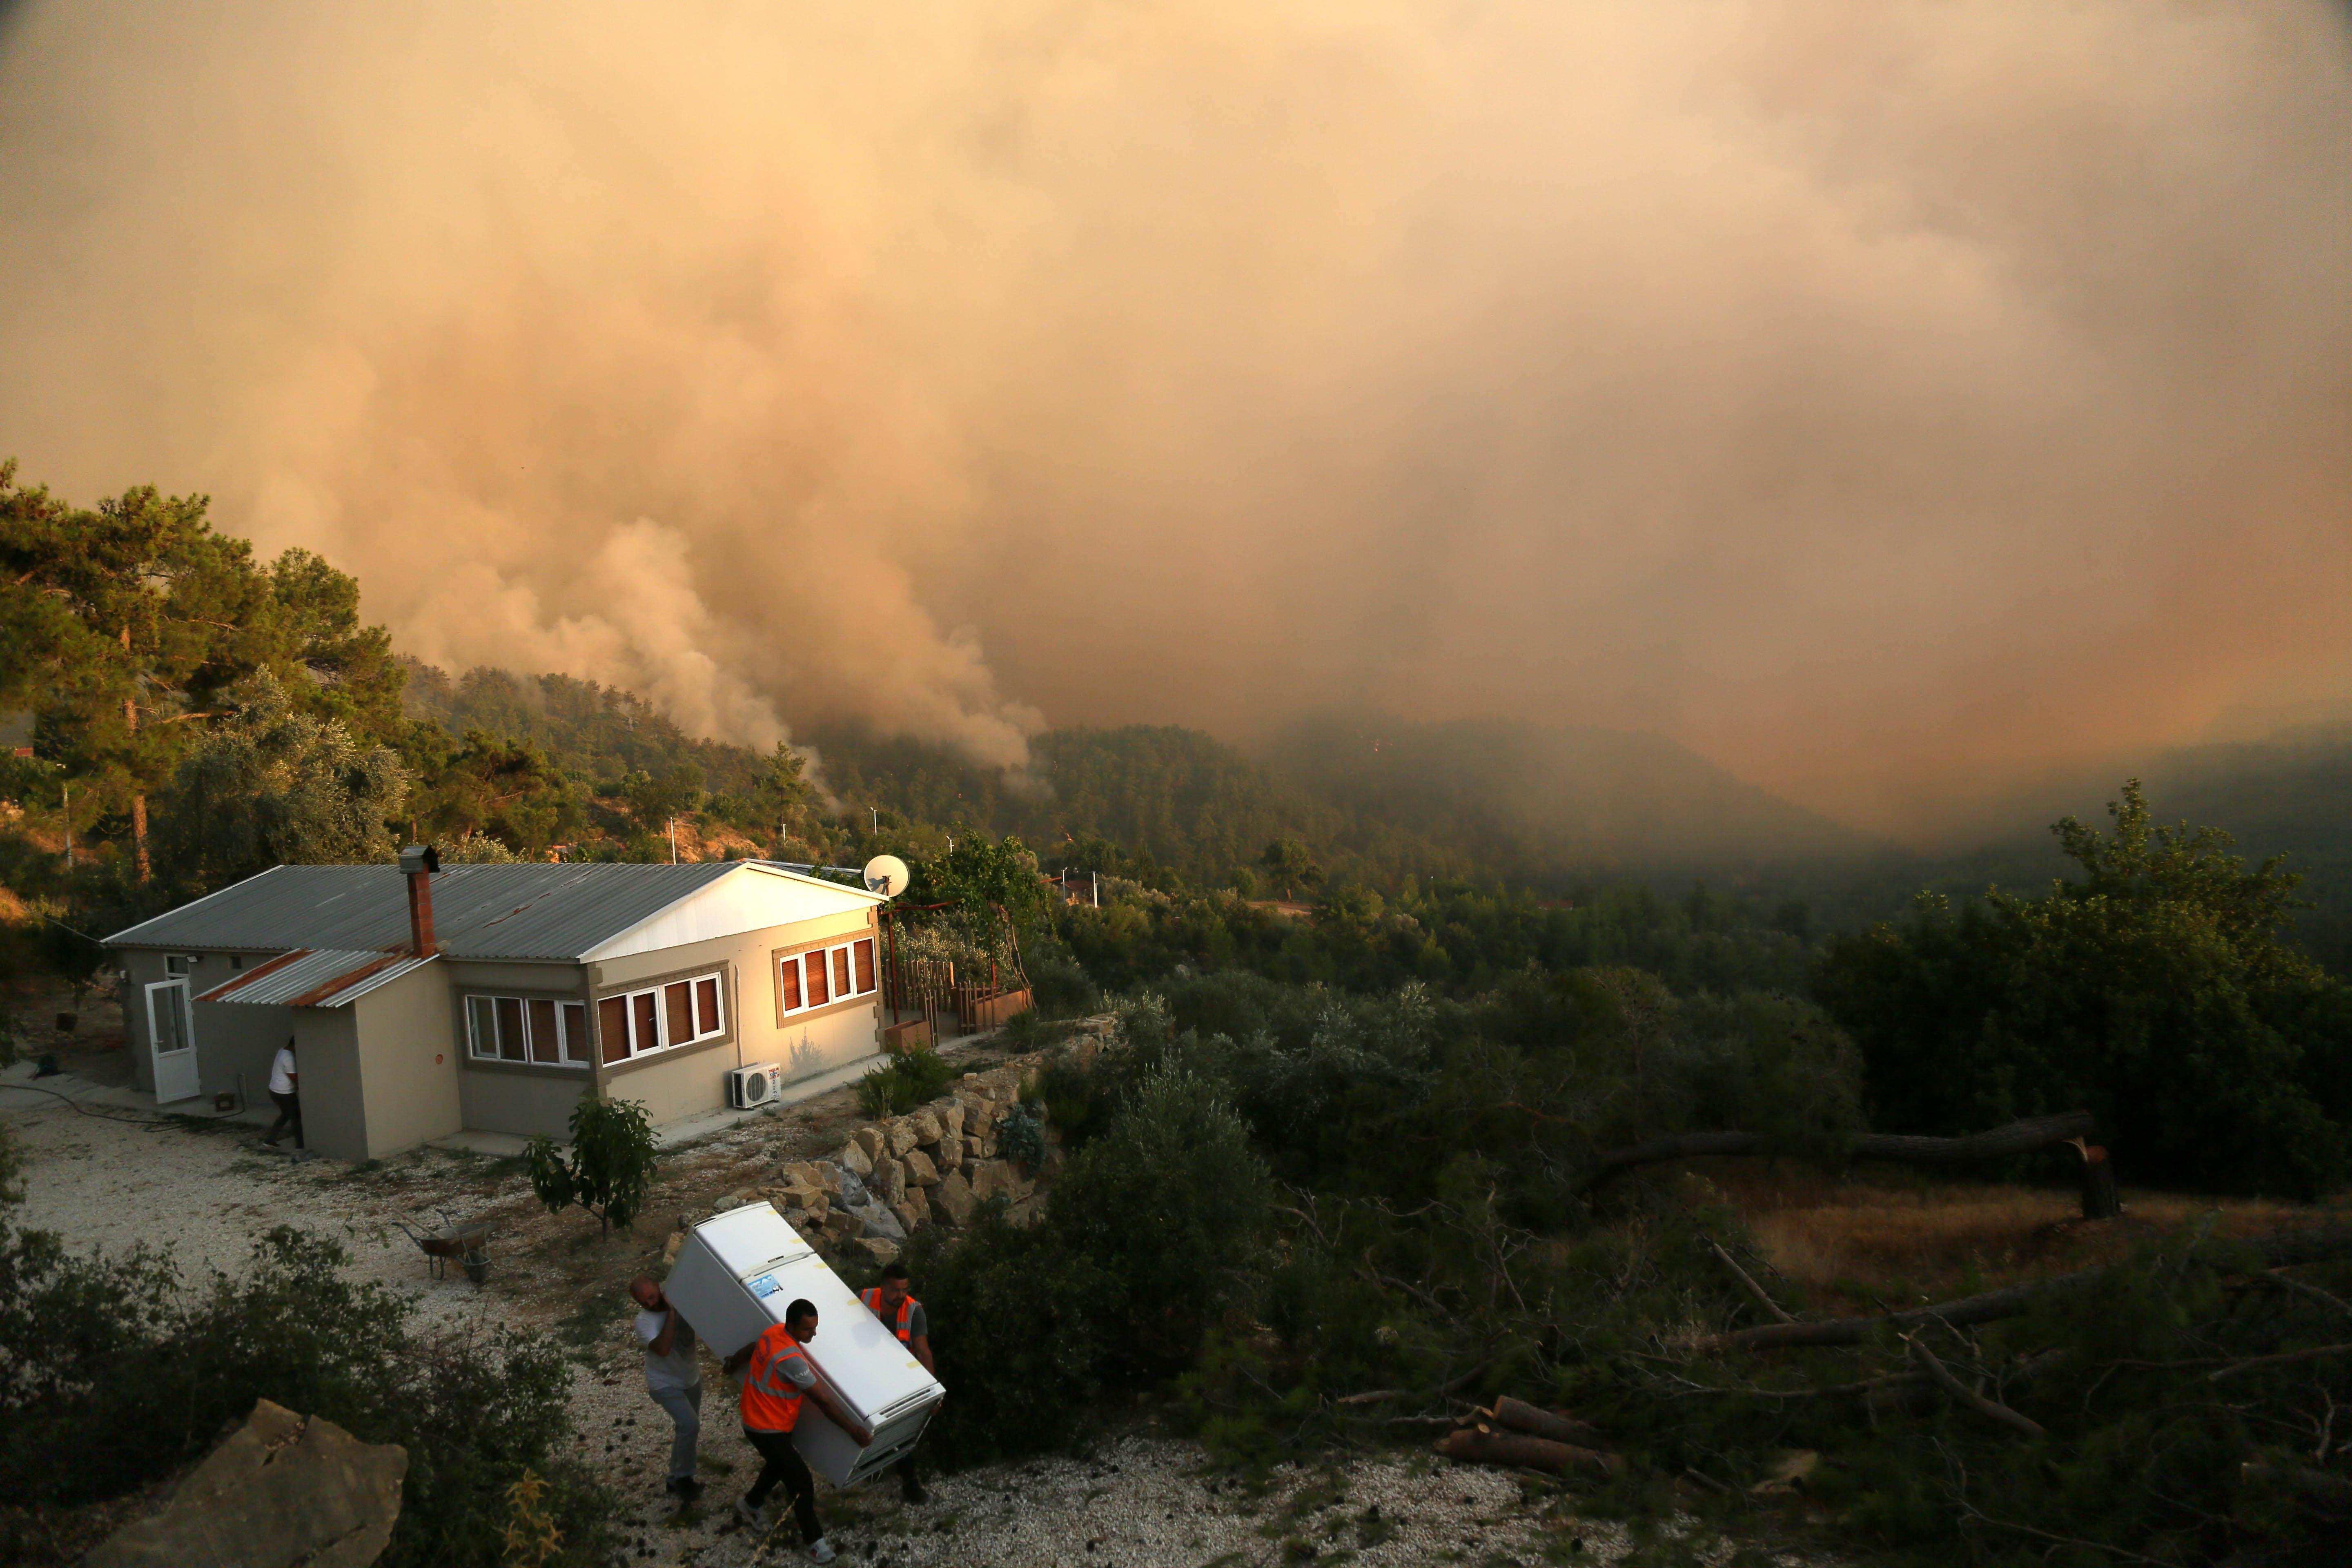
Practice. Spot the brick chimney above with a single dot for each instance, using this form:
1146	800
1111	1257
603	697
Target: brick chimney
418	862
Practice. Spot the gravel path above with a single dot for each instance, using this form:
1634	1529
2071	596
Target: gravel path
206	1194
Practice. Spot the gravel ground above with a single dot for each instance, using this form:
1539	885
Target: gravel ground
206	1193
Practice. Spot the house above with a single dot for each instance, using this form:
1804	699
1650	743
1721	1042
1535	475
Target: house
424	1001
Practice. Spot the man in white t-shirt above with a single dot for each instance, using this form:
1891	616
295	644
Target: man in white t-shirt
285	1087
674	1378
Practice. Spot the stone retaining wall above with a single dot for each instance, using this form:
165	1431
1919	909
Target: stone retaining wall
934	1166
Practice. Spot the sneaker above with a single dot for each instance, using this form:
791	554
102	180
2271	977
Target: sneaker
822	1551
751	1513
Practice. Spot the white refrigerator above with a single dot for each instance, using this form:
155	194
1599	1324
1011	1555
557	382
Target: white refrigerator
739	1271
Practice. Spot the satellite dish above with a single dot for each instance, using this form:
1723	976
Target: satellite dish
887	875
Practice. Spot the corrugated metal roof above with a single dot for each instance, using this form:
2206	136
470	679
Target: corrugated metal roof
324	977
478	911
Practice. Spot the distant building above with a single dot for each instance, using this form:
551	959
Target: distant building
16	733
493	997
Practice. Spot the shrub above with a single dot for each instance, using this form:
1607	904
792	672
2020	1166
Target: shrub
1019	1337
902	1083
610	1166
1174	1208
1021	1138
118	1374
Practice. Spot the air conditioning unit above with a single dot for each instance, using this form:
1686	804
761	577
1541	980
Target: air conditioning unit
750	1086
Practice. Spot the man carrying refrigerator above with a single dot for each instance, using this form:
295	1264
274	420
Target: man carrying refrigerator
893	1301
776	1377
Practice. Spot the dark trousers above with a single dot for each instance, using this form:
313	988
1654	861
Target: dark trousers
289	1114
780	1461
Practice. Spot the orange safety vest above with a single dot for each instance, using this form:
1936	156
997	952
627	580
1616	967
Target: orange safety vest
772	1400
873	1300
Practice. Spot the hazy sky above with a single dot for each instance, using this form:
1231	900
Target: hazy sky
1890	401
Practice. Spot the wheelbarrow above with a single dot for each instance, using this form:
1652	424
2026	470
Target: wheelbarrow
468	1243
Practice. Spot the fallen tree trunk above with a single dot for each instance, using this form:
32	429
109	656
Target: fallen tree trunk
1478	1447
1522	1417
2017	1138
2279	1249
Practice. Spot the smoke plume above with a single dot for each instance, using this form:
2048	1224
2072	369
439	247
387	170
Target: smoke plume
1888	401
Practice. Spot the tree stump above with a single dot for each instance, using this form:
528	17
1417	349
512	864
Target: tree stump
2099	1200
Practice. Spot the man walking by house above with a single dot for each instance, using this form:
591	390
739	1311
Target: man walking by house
776	1377
893	1301
285	1089
674	1378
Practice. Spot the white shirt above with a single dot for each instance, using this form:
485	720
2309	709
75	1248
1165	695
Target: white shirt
679	1369
281	1071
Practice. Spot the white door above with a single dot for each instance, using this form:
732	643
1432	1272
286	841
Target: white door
171	1034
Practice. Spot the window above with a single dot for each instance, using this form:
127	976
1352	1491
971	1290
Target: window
178	964
542	1029
825	974
676	1013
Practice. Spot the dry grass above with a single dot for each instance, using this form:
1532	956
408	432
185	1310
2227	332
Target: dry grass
1863	1239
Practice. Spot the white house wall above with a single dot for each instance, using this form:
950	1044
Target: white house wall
752	899
674	1085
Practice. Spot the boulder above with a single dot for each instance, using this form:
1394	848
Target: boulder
870	1139
952	1200
828	1176
982	1147
804	1171
797	1194
282	1489
908	1215
951	1117
992	1178
853	1159
926	1127
670	1248
899	1137
884	1251
950	1153
920	1171
889	1182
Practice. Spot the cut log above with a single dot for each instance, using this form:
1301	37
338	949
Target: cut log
2278	1248
1519	1414
1474	1447
2017	1138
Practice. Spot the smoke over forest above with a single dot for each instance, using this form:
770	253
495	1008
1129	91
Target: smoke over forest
1890	401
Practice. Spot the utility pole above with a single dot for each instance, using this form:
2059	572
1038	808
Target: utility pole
65	805
672	840
876	812
137	795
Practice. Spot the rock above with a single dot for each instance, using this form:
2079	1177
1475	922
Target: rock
952	1201
874	1220
984	1147
282	1489
908	1215
950	1153
951	1117
926	1127
804	1171
920	1171
889	1180
855	1159
670	1248
883	1251
992	1178
828	1176
798	1194
900	1137
870	1139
